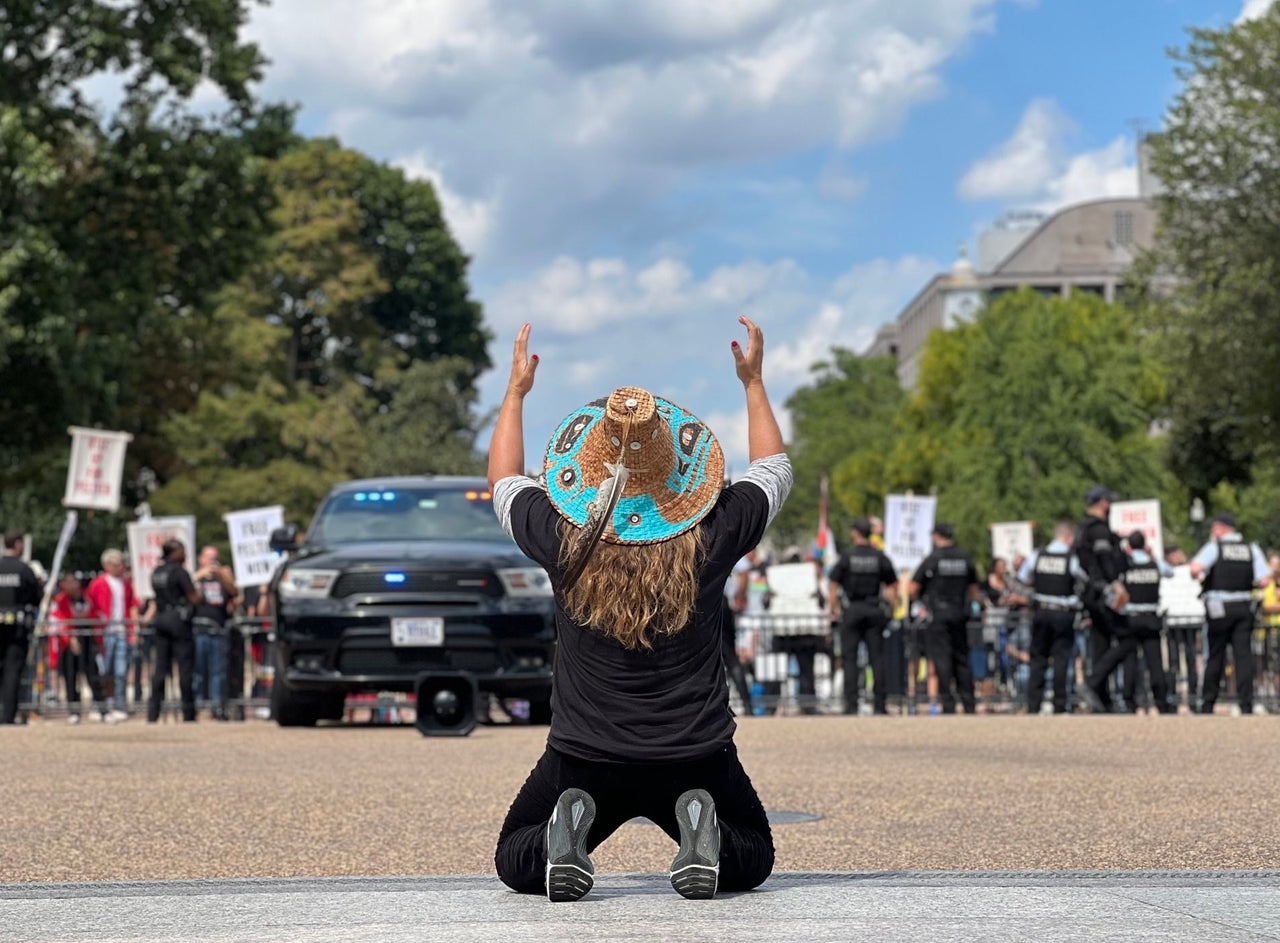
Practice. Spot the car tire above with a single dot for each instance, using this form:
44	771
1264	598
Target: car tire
291	709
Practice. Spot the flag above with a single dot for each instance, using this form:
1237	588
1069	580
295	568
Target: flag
826	542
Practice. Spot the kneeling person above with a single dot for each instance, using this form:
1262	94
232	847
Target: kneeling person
635	529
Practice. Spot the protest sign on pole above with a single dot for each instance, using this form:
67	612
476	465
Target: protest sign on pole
1128	516
251	555
908	524
97	464
1011	539
64	541
145	540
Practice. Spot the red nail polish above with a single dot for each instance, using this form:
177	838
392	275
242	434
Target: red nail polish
535	358
735	343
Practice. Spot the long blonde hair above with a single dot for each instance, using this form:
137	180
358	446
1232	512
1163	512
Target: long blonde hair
634	594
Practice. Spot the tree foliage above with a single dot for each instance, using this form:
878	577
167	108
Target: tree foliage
1214	314
843	427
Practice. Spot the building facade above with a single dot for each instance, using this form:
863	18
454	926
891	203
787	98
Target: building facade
1088	247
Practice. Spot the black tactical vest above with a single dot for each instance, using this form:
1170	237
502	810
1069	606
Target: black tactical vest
861	574
1053	574
949	588
1143	582
1233	572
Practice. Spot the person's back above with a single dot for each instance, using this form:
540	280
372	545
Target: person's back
638	535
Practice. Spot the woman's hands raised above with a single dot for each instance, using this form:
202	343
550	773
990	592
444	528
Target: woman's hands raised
523	367
750	364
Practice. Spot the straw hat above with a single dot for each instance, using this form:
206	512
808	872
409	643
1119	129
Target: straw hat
669	463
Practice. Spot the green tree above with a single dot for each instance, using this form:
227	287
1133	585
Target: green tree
1217	262
115	229
1018	412
842	429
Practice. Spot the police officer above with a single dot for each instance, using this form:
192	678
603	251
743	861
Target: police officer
1104	595
19	599
860	574
1054	574
948	582
1228	568
1142	580
176	598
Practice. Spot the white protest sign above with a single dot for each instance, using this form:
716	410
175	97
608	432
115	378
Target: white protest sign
908	524
97	464
251	554
26	548
1010	540
145	540
1128	516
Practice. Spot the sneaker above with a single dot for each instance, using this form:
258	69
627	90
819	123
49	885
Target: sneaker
116	716
570	873
73	719
695	872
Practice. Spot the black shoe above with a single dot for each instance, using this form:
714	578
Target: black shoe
695	872
1091	699
570	873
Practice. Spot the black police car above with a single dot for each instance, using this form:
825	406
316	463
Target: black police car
398	577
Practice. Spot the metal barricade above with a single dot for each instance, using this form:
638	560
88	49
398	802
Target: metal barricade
123	664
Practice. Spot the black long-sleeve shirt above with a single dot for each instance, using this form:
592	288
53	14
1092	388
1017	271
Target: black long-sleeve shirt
1099	550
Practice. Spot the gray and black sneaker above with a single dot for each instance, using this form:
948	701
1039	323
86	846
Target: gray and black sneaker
570	873
695	872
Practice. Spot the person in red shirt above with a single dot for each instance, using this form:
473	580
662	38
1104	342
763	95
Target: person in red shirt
112	593
73	645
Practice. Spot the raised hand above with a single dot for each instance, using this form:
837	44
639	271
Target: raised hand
750	364
523	366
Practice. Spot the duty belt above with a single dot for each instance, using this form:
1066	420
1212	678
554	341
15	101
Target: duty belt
1056	605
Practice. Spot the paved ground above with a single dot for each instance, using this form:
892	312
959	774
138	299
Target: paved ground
138	802
1128	907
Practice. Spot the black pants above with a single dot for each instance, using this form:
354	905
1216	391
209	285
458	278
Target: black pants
1109	646
1146	633
86	663
233	684
947	644
732	663
1184	642
804	648
174	643
1235	628
864	622
624	790
13	661
1053	636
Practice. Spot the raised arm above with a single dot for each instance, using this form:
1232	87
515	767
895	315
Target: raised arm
764	438
506	448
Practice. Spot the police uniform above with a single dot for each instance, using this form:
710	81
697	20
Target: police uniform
174	641
1142	580
1103	561
210	642
860	573
1231	568
19	598
1053	573
945	579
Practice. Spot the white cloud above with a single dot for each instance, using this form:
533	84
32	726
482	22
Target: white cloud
1034	165
601	323
1023	165
581	114
470	221
1253	9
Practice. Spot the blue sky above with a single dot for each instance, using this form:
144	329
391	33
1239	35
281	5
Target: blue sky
630	177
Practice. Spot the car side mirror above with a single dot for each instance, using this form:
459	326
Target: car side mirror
285	539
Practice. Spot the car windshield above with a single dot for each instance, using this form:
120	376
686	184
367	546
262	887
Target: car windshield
421	513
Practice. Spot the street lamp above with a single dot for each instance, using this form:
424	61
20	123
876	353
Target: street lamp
1196	514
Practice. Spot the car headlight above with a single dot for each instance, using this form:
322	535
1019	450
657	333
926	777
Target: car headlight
526	581
307	584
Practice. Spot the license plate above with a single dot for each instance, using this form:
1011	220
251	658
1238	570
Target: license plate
421	632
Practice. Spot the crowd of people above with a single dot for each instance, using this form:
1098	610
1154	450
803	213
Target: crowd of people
99	637
1093	620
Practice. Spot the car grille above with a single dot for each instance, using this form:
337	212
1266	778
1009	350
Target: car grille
454	583
406	661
